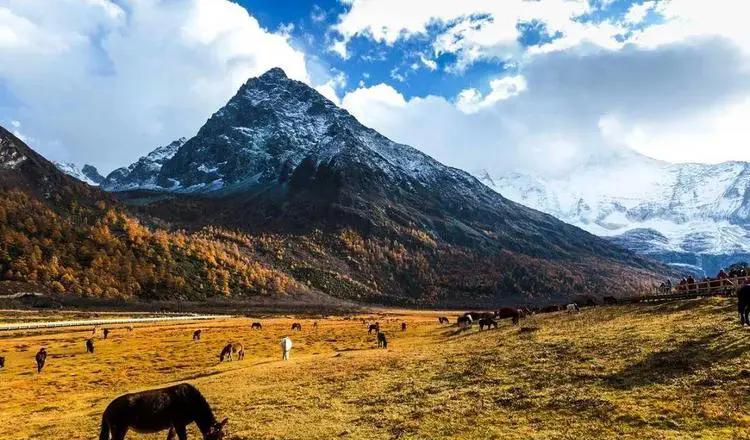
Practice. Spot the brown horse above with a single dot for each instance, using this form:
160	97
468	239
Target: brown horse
373	328
487	322
230	349
41	359
171	408
743	304
508	312
256	326
382	341
89	345
197	335
297	326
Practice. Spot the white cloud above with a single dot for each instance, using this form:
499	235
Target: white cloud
473	29
471	100
637	12
680	102
105	81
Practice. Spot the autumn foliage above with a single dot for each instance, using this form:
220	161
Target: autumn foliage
101	251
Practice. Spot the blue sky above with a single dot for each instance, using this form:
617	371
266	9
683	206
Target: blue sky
514	85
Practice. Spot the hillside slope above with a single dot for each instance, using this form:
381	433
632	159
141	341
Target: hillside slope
63	235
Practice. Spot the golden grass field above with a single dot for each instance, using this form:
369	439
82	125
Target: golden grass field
670	371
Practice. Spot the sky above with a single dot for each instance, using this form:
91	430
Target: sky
505	85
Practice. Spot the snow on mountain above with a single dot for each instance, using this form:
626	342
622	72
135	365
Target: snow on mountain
143	173
683	214
88	174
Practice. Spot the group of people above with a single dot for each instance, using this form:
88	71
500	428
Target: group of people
689	283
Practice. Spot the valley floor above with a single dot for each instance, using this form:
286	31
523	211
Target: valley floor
669	371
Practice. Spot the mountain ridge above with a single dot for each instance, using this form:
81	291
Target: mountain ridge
698	215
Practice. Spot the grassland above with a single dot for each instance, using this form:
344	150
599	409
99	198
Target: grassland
669	371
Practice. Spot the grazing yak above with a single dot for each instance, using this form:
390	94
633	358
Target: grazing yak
373	328
403	326
2	362
171	408
609	300
572	308
743	304
382	341
256	326
197	335
41	359
508	312
231	349
286	347
106	333
443	320
297	326
89	345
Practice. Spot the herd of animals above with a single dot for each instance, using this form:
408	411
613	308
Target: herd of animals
174	408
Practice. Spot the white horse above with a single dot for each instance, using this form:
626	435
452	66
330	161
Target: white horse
286	347
572	308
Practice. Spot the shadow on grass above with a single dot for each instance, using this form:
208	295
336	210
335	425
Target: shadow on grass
682	360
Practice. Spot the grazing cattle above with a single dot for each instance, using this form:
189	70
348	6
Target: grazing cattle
106	333
487	322
2	362
41	359
403	326
508	312
89	345
197	335
443	320
315	325
231	349
373	328
130	328
171	408
743	304
464	322
475	316
256	326
286	347
572	308
609	300
382	341
297	326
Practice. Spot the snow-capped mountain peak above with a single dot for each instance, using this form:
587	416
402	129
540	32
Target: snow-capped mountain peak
88	174
143	173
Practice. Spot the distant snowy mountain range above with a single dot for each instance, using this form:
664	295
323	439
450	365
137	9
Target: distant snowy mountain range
693	216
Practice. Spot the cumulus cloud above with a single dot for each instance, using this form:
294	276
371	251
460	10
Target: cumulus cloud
571	107
104	81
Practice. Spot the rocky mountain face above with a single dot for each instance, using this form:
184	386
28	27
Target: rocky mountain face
692	216
144	173
88	174
281	159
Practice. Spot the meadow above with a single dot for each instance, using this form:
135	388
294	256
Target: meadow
664	371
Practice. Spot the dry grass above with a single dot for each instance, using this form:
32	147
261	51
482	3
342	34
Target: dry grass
672	371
